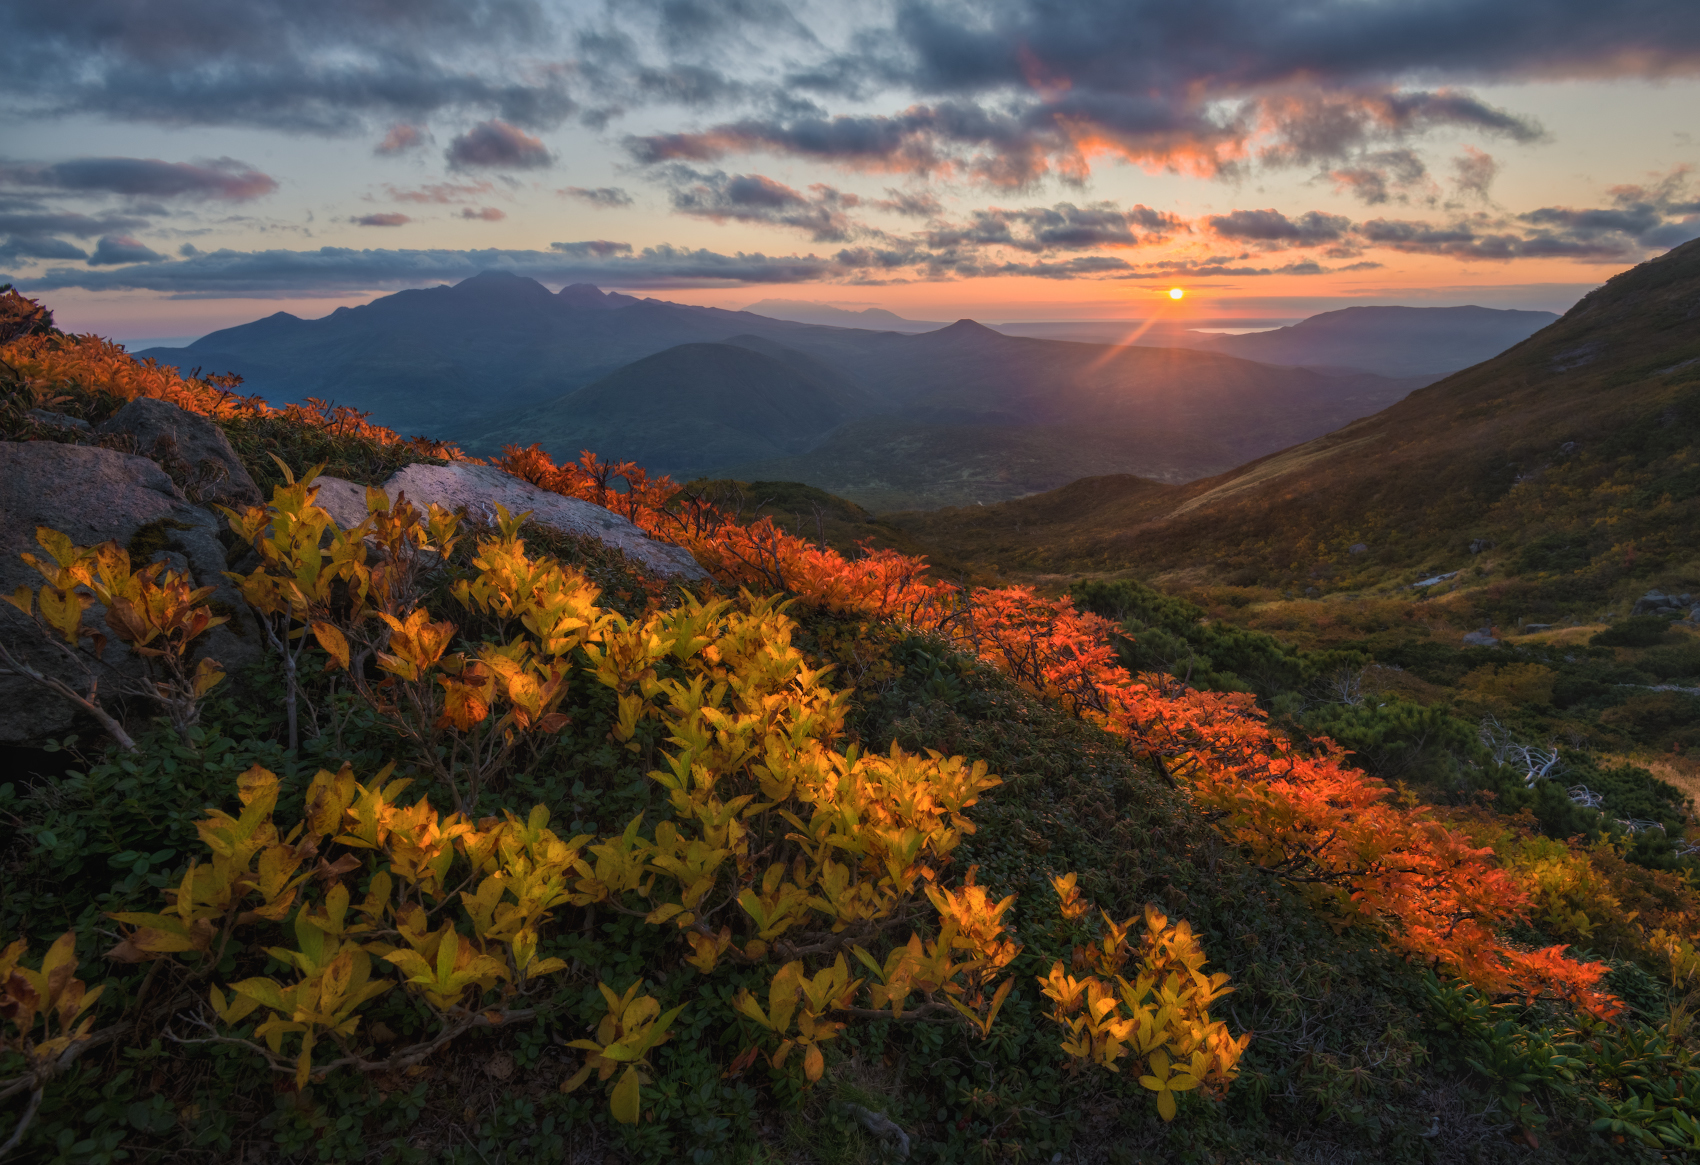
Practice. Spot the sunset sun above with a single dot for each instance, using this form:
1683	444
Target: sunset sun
1176	293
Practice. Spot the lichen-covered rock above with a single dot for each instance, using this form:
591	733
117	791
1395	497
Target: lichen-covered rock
96	495
190	445
480	488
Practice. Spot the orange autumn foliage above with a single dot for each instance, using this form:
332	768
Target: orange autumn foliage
1294	807
50	365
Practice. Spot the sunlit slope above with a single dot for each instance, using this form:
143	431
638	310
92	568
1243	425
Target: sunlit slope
1573	453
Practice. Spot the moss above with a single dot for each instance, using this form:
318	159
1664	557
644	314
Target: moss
153	538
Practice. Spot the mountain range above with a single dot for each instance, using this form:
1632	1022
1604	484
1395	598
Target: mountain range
1566	462
888	419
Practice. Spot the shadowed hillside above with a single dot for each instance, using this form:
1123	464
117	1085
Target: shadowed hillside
1569	457
1391	341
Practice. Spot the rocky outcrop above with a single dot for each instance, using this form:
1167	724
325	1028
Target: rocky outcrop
96	495
192	448
1659	603
479	489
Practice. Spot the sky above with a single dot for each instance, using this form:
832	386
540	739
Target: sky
169	167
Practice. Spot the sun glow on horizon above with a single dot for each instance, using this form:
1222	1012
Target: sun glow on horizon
1175	293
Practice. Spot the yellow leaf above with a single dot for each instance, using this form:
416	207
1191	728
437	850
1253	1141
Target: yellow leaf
624	1104
333	641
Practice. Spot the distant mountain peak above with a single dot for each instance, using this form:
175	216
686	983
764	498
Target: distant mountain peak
503	284
588	295
966	327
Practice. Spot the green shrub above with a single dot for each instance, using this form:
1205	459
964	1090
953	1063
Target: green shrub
1639	631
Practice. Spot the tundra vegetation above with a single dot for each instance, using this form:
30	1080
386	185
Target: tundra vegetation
510	850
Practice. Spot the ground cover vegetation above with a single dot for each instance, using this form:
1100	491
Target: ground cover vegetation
513	851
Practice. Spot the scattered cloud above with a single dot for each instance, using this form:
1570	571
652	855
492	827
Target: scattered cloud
116	249
391	219
497	145
914	204
224	179
400	138
1474	172
1271	226
1375	177
600	197
599	248
442	193
721	197
83	226
484	214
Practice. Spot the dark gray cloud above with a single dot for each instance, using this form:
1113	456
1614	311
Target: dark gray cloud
1271	226
26	247
598	248
600	197
62	222
484	214
316	65
224	179
113	250
1063	227
721	197
391	219
496	145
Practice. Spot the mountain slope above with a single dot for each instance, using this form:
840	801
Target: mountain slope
451	360
1570	457
690	408
1391	341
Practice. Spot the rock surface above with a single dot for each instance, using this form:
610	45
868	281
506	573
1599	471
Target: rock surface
1480	639
192	443
95	495
480	488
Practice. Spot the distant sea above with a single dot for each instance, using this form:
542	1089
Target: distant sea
1132	331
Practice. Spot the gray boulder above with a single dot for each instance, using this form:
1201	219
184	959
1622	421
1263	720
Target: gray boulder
478	489
96	495
192	445
1650	602
1480	639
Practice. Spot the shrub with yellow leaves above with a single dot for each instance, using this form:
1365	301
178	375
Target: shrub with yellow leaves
1161	1017
154	611
53	995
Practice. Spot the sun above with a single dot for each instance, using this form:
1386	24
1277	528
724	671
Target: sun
1175	293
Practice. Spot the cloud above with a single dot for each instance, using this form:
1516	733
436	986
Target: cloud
1062	227
400	138
721	197
600	197
911	203
497	145
1474	172
224	179
26	247
299	65
83	226
442	193
115	249
1271	226
600	248
1375	177
381	220
484	214
339	270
